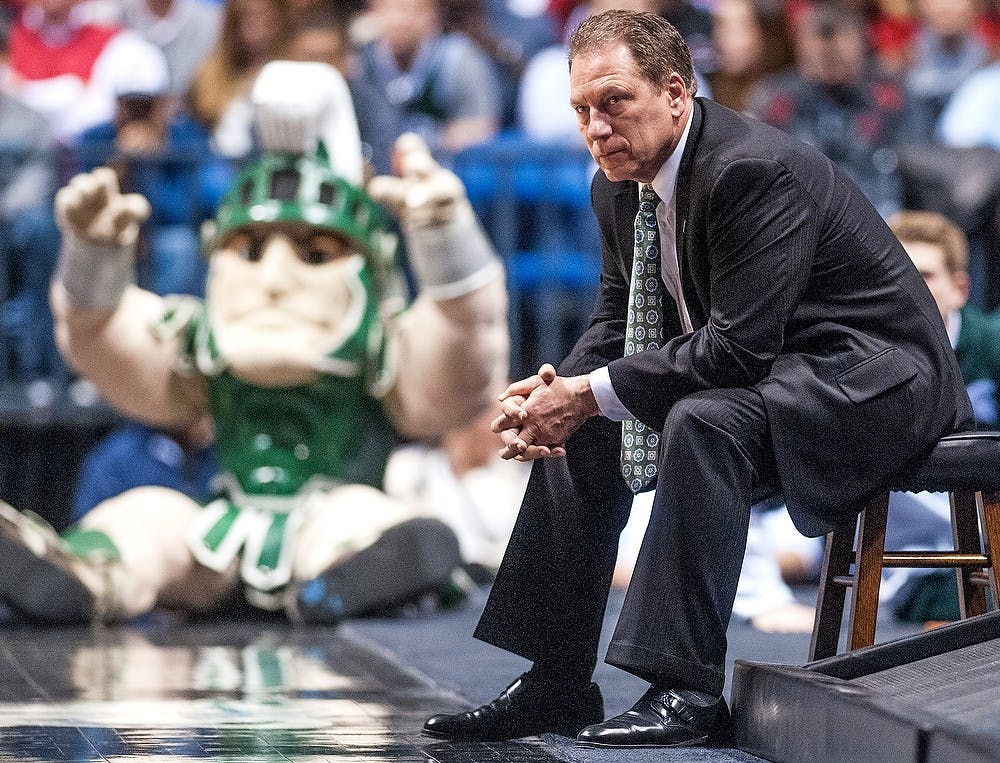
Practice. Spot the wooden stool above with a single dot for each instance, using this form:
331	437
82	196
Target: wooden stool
967	467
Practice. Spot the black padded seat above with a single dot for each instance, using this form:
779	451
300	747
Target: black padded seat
964	465
963	461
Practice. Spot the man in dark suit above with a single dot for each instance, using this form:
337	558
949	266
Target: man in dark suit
802	353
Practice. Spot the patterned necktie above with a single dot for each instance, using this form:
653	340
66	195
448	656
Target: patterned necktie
643	331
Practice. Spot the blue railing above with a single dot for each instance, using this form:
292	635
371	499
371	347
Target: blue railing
534	201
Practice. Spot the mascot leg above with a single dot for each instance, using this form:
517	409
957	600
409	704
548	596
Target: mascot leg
40	574
126	555
361	551
149	527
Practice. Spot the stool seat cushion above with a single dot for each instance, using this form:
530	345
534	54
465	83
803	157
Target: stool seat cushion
962	461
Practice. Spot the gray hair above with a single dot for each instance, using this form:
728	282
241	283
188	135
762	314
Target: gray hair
655	44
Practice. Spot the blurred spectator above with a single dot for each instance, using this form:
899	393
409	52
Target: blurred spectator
63	65
321	36
543	110
165	156
29	242
137	454
940	251
694	23
834	102
923	520
972	115
344	10
889	24
751	41
253	33
185	30
510	32
776	554
945	51
560	11
414	77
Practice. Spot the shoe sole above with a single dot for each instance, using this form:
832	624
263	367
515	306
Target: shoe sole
39	586
568	731
406	560
435	735
698	742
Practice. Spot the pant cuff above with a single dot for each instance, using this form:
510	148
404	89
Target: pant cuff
665	669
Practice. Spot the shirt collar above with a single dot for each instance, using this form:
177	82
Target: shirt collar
954	327
665	182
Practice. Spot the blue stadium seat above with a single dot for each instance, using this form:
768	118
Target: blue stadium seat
534	201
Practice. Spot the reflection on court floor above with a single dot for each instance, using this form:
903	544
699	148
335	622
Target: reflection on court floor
227	692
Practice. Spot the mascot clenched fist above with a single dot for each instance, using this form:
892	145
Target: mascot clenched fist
306	355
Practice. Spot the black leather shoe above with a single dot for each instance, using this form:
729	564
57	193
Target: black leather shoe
525	708
662	718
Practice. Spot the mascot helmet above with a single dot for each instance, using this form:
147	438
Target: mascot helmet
301	111
287	187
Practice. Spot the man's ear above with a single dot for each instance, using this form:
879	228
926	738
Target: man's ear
962	284
676	91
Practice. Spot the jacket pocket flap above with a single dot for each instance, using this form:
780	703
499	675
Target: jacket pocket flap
877	374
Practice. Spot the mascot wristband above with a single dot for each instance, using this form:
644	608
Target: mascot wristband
95	275
452	258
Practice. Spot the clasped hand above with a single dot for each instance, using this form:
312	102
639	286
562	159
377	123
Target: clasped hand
539	413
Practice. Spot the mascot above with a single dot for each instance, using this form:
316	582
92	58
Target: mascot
305	355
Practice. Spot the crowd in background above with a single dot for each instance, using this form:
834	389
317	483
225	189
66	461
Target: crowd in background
159	89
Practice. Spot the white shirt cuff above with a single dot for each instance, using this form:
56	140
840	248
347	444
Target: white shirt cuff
611	407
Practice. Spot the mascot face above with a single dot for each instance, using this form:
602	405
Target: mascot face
281	297
290	279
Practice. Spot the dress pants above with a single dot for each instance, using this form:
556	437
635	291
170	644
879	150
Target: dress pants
548	601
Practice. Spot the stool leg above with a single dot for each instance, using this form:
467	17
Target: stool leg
837	556
868	573
965	532
990	515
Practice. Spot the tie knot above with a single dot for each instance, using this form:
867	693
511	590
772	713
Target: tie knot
648	196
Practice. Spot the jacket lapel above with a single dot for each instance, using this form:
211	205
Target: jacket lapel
625	209
685	225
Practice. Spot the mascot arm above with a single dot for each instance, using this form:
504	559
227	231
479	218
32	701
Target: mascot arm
451	346
102	320
452	360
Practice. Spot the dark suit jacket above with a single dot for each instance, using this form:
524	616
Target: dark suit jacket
797	288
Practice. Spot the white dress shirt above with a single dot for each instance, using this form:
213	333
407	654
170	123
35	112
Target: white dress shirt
665	185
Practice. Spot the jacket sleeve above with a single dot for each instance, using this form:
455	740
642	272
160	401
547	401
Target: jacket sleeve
761	233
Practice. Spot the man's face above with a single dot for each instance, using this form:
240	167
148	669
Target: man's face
737	36
948	17
327	46
950	290
258	26
57	11
630	126
829	55
281	296
404	24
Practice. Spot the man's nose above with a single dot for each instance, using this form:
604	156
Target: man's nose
598	127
